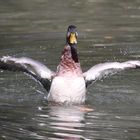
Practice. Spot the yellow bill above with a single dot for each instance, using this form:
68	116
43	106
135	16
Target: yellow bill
73	39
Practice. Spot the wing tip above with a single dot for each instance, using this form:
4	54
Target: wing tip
5	58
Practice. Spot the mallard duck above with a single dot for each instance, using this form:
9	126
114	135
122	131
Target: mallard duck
68	84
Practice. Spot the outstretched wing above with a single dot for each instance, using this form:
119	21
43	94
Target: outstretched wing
102	70
29	66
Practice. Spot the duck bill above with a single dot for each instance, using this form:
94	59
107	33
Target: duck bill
73	39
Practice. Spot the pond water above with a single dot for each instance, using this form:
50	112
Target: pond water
108	31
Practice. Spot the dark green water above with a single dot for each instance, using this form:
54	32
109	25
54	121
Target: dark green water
108	31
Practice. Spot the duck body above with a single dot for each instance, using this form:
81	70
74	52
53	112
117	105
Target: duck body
69	89
68	84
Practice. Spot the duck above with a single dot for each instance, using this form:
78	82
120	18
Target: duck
68	84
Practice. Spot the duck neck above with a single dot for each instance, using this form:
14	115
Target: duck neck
74	54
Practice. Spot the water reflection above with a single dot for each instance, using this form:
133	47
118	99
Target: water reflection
65	122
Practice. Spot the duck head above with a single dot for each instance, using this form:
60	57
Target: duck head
71	37
71	40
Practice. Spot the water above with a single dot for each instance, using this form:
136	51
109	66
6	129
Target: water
108	31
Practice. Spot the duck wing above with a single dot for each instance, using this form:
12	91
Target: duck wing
29	66
102	70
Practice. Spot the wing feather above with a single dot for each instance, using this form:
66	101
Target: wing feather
102	70
29	66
